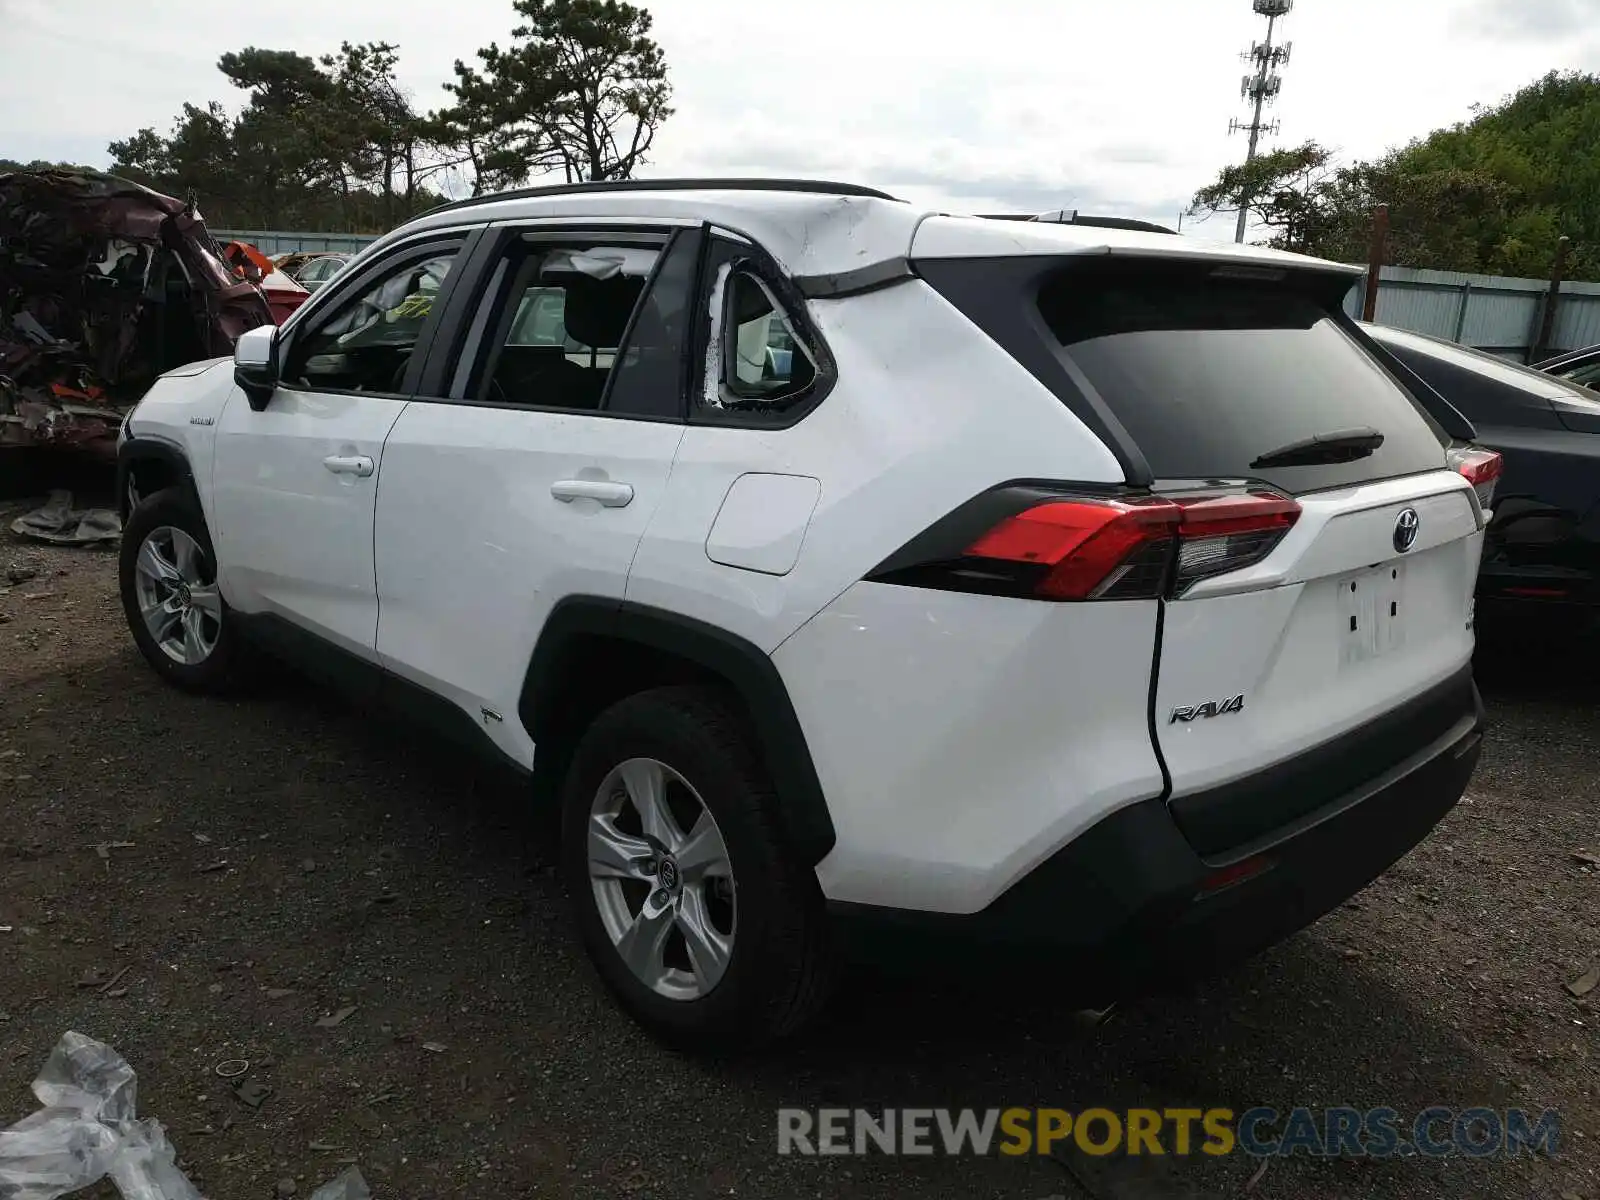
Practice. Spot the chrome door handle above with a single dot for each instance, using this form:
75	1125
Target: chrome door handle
349	464
611	495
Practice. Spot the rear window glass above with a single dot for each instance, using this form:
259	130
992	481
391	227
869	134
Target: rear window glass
1210	376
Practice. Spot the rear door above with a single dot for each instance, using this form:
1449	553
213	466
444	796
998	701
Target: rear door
1364	604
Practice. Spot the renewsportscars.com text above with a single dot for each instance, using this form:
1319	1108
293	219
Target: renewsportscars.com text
1259	1132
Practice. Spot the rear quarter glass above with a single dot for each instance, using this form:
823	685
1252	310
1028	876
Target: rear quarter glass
1207	375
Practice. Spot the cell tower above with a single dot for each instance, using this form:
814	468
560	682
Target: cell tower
1260	88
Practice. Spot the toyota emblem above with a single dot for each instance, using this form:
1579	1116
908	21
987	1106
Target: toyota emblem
1405	529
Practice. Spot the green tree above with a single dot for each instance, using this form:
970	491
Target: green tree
284	138
324	143
199	157
1502	188
1493	194
39	164
369	106
582	90
1291	192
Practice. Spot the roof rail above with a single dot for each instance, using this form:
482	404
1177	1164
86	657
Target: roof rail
1070	217
822	187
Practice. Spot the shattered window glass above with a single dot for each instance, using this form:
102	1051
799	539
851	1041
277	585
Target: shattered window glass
761	349
365	343
757	360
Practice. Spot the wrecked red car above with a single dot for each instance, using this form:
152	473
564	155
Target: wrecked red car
104	285
283	294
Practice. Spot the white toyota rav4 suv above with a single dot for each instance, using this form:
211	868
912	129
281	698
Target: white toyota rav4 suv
842	566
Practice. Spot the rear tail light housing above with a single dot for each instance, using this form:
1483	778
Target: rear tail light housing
1218	534
1080	547
1480	467
1086	548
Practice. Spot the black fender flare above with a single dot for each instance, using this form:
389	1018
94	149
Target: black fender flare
144	448
739	664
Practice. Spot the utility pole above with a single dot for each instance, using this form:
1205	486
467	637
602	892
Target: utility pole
1261	88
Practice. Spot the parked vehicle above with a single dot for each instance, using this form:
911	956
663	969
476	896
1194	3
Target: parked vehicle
1541	559
283	294
852	567
290	261
1576	366
319	270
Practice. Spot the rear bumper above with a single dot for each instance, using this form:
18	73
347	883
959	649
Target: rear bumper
1132	898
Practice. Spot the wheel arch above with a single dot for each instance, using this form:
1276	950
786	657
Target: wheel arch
152	464
594	651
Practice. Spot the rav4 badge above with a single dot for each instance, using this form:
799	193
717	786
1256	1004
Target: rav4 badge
1211	708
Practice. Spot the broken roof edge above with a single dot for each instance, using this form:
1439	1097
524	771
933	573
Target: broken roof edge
808	232
1073	217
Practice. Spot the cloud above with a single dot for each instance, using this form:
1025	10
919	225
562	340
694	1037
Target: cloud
945	173
1537	20
1042	104
1142	154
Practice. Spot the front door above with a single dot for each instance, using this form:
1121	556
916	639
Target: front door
294	485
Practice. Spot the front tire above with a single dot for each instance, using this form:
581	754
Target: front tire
703	925
167	574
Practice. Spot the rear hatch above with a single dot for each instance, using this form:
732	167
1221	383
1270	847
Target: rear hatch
1320	596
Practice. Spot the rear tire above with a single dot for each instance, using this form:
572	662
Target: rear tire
167	574
743	960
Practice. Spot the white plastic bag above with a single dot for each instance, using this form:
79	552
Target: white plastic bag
88	1130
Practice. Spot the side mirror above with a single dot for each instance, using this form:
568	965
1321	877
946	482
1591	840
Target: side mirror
255	364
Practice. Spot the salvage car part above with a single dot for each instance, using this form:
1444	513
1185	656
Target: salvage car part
104	285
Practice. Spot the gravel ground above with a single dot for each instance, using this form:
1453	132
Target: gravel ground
236	871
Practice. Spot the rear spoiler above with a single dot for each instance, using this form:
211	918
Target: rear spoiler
1065	216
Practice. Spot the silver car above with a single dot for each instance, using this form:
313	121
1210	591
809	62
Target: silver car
320	269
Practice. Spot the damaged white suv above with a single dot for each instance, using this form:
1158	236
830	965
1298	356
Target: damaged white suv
838	565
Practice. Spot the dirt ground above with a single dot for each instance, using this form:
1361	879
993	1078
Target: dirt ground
195	881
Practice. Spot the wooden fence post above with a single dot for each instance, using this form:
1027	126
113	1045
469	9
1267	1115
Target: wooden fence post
1547	322
1375	257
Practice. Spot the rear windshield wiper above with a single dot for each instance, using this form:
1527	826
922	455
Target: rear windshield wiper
1341	445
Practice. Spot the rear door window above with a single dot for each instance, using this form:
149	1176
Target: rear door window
1210	376
586	327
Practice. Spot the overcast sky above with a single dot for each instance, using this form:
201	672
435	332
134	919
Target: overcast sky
1119	107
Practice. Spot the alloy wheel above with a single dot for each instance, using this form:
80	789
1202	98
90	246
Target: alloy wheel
662	879
182	609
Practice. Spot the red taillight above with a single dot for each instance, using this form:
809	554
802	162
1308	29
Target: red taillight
1480	468
1096	548
1088	545
1254	512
